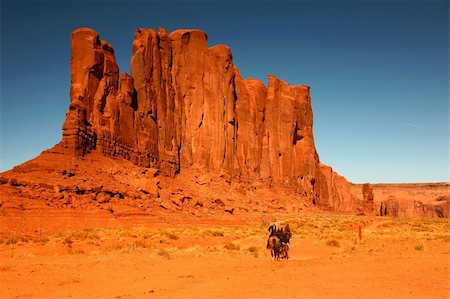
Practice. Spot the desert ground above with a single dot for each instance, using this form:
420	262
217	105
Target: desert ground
201	236
144	257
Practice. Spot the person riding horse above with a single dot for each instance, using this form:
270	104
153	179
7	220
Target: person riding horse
283	234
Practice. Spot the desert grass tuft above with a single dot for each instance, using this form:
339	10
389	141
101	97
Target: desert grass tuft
163	253
171	236
333	242
68	241
13	239
217	233
42	240
253	249
232	246
419	247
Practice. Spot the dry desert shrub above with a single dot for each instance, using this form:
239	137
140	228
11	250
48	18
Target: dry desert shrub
333	242
42	240
68	241
217	233
253	249
77	251
419	247
141	244
13	239
232	246
163	253
136	245
118	246
171	236
213	233
212	249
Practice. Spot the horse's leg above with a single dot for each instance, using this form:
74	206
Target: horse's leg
278	253
275	250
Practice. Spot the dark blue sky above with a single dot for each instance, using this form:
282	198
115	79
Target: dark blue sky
378	71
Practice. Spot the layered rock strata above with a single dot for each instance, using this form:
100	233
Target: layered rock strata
186	104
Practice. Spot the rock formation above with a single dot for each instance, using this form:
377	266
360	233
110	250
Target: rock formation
407	208
186	104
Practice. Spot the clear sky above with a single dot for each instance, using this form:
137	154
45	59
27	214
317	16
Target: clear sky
378	71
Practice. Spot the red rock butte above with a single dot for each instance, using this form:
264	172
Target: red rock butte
186	104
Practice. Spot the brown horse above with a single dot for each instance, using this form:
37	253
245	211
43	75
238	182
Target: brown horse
274	245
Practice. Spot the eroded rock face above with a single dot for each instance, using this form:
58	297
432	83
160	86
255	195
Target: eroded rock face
403	208
186	104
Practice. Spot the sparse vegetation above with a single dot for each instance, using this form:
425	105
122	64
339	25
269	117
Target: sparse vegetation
171	236
77	251
419	247
333	242
163	253
68	241
232	246
253	249
141	244
338	231
13	239
217	233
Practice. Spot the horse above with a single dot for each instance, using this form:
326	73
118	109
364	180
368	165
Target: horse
283	233
274	245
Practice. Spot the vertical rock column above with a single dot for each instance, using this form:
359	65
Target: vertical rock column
250	108
203	81
94	74
288	143
156	117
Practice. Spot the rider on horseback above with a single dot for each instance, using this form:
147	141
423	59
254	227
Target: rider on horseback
284	234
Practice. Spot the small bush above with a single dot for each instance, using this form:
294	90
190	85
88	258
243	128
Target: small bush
213	249
42	240
419	247
68	240
171	236
333	242
232	246
163	253
217	233
78	251
253	249
12	239
141	244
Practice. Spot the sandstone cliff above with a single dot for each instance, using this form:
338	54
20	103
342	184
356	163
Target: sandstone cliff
185	104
